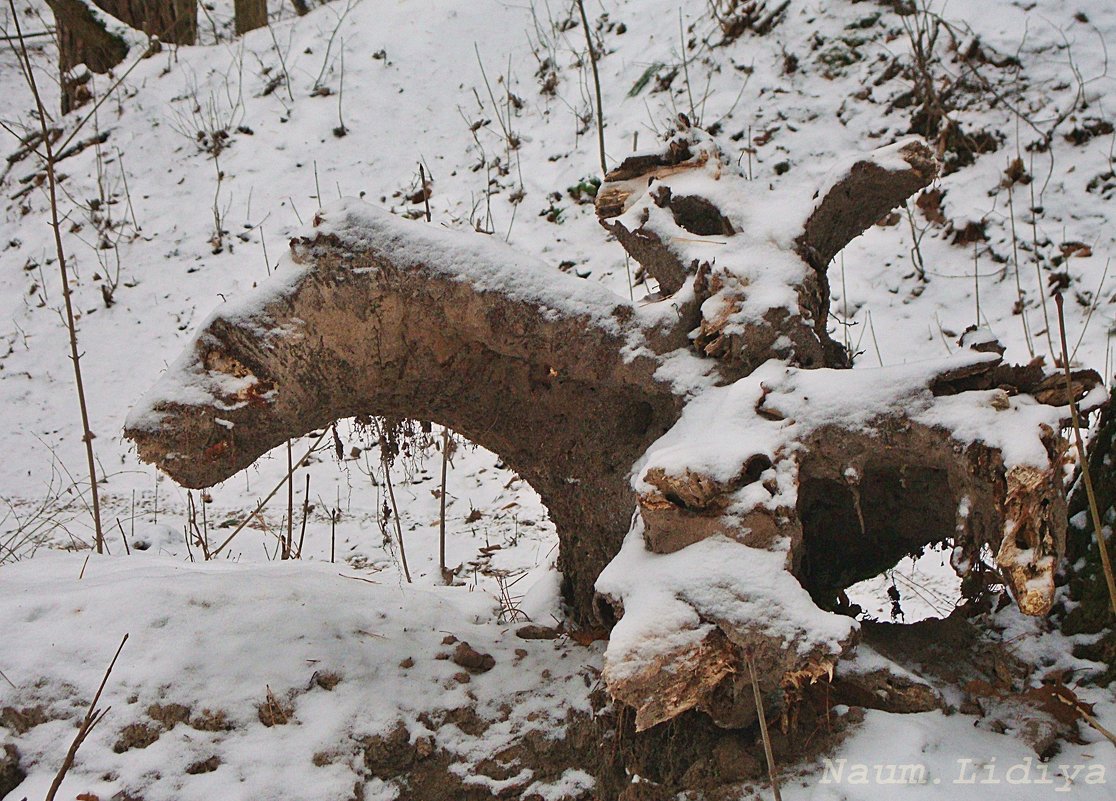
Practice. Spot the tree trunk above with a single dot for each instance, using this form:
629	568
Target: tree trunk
171	21
250	14
84	37
715	478
87	36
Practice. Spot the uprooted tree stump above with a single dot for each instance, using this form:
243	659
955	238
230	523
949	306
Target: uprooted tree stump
716	478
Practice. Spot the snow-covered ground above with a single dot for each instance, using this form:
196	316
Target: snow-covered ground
168	230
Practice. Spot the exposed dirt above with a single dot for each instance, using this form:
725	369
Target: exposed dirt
20	721
687	755
1084	572
136	735
1000	689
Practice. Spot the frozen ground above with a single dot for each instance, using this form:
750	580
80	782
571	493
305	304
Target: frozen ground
447	84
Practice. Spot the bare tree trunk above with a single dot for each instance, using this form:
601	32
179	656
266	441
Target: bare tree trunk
85	35
172	21
250	14
83	38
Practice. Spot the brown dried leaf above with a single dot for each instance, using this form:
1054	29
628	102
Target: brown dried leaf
1058	701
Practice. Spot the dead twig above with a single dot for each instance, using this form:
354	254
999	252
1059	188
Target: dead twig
1098	532
270	495
447	576
771	772
93	716
596	85
305	513
395	514
60	252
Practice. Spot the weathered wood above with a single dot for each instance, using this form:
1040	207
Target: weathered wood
816	478
541	389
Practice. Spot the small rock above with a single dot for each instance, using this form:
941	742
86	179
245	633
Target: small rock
471	659
407	663
424	747
970	706
533	631
1042	734
326	679
204	766
461	677
449	639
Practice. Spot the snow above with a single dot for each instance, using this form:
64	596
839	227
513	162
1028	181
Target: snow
255	626
216	635
469	258
668	599
718	451
912	762
809	400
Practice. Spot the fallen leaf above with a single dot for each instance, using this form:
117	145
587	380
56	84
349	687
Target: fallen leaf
1058	701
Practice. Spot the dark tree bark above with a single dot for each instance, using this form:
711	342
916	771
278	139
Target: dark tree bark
86	36
83	38
172	21
250	14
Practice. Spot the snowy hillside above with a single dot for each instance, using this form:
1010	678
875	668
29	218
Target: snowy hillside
333	676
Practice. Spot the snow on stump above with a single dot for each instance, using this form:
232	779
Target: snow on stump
715	475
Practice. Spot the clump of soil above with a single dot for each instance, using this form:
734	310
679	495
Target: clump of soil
166	716
20	721
211	720
169	714
326	679
471	659
204	766
136	735
275	711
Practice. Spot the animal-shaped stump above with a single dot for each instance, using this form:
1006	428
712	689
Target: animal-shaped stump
715	475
